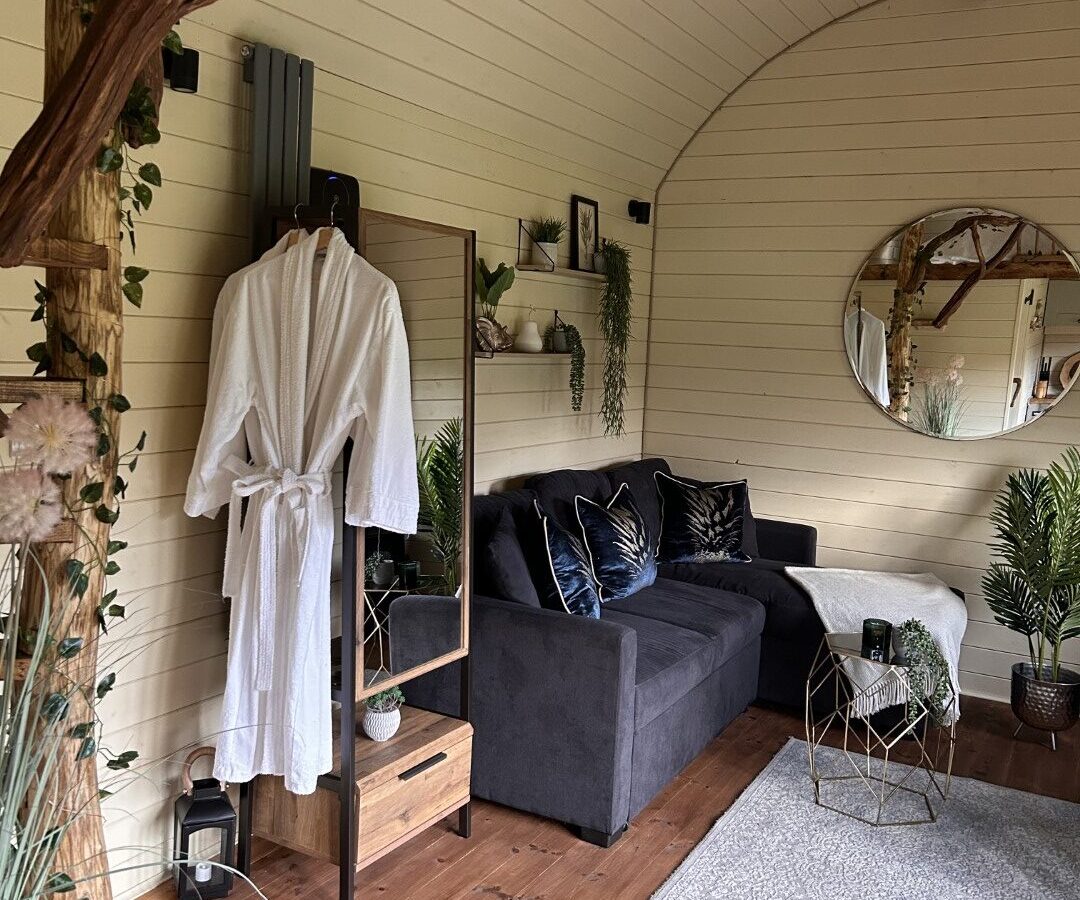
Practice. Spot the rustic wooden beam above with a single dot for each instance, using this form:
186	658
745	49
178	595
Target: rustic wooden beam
1058	267
985	265
79	112
60	254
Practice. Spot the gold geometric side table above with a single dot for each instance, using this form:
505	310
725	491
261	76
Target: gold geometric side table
864	780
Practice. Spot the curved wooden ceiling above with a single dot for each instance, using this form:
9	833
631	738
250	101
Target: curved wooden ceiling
654	71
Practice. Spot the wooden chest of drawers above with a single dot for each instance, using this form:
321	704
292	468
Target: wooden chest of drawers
403	786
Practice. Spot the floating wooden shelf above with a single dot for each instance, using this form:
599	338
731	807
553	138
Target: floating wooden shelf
491	354
58	253
563	273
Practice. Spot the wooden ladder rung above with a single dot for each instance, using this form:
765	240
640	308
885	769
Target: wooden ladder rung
59	253
63	533
22	663
20	388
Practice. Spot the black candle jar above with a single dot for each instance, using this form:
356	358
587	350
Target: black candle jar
876	639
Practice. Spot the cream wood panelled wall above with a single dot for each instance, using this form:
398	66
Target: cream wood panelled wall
475	114
902	108
467	118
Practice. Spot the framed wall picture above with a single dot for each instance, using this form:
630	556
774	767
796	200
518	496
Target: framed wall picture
584	232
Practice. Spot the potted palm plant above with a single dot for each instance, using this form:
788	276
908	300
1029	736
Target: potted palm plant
1034	587
440	473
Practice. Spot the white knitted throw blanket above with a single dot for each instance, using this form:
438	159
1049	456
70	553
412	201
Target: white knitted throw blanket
844	597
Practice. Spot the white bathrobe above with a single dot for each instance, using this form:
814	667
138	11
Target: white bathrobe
303	355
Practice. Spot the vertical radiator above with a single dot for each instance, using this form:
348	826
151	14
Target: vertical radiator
280	130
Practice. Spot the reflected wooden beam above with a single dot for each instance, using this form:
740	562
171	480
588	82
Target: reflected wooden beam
1058	267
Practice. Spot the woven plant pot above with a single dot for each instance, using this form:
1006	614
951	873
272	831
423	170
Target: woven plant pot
381	726
1047	705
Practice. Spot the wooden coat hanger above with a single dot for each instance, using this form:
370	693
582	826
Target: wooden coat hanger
325	234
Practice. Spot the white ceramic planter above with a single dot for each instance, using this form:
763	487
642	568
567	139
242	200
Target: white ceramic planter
381	726
539	259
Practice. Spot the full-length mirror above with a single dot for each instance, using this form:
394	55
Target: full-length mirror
432	265
966	324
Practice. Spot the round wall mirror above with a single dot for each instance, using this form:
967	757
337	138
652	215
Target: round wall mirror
966	324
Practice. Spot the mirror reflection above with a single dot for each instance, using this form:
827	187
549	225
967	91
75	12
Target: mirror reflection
431	266
966	324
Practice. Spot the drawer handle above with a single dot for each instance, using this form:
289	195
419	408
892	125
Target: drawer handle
422	767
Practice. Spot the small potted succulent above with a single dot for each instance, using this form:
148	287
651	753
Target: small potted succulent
546	234
382	717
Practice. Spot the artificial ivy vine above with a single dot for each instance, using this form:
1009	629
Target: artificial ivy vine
137	127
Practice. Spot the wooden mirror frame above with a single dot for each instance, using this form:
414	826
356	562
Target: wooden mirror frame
370	217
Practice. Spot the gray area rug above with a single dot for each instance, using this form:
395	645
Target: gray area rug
775	843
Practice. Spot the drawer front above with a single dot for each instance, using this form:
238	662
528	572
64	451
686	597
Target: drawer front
391	812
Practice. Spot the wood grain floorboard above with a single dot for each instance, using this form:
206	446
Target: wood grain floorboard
518	856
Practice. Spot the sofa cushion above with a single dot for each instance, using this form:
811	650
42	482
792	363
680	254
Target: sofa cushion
638	476
621	557
789	610
556	492
701	522
560	568
502	571
685	632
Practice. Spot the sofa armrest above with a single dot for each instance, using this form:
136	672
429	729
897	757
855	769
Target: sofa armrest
551	701
789	542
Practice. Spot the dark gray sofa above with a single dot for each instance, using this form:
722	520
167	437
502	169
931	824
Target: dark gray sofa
584	720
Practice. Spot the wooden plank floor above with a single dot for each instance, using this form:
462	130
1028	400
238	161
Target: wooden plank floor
517	856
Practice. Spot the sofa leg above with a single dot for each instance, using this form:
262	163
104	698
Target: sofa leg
600	838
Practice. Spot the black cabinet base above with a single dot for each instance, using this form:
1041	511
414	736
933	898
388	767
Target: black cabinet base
600	838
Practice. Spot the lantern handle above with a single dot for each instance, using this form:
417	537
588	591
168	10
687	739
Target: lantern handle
194	755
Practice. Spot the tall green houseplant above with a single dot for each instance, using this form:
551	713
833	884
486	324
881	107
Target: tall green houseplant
615	321
1034	586
440	471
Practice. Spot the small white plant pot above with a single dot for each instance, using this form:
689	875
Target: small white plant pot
381	726
539	258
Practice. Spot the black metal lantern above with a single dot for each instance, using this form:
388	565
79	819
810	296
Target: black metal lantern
204	807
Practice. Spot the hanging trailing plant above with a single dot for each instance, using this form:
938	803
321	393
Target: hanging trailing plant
928	673
576	349
614	316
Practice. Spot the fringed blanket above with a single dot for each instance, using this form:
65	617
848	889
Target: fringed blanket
844	597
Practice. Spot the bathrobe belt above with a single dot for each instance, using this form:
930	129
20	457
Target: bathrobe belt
274	487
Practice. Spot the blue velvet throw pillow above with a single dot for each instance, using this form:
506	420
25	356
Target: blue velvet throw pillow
567	583
621	557
701	522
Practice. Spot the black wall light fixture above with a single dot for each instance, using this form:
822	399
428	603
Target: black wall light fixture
181	70
639	211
